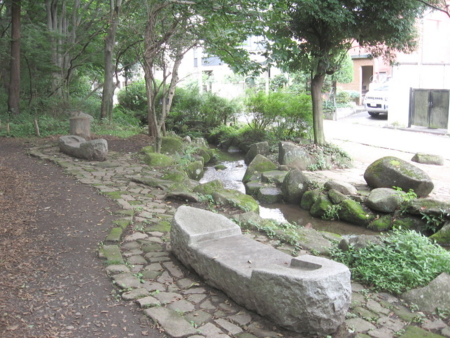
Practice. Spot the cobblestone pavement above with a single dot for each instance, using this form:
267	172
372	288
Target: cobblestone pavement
139	262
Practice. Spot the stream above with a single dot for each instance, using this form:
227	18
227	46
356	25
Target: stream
232	179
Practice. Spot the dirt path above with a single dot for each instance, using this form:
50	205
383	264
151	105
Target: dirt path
51	282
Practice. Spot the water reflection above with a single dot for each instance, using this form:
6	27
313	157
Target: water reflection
231	176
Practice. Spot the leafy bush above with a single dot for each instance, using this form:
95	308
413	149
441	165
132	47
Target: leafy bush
133	98
407	260
342	97
286	114
191	113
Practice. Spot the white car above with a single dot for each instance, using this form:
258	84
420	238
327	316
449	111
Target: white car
376	100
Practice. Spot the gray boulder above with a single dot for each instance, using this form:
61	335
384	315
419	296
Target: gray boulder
294	156
390	171
255	149
294	185
434	295
343	187
384	199
76	146
269	195
428	159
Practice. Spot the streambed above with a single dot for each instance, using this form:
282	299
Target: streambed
232	176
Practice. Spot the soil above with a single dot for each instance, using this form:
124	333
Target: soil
51	282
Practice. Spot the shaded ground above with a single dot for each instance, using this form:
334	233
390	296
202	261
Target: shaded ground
51	282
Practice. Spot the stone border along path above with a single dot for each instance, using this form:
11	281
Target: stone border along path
177	301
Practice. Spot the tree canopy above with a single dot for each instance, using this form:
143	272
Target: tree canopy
313	35
73	48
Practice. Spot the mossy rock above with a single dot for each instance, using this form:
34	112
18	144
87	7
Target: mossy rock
309	198
171	145
408	223
195	170
336	196
148	149
175	176
258	165
236	199
383	223
204	153
391	171
442	237
320	206
355	213
158	160
209	188
220	167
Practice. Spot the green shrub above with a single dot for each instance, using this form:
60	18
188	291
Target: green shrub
407	260
284	113
342	97
196	114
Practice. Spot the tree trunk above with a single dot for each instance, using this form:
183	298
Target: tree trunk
317	101
108	86
14	82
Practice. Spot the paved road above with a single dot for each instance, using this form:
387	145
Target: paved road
351	130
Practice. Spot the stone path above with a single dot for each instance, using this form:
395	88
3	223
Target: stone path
139	262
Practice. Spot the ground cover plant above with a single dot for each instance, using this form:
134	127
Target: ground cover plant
406	260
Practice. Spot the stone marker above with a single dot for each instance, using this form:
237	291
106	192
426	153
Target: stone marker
306	294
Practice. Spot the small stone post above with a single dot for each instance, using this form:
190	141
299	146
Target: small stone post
80	125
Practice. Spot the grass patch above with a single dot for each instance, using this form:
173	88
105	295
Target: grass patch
407	260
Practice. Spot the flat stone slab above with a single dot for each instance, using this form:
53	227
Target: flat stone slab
171	321
306	294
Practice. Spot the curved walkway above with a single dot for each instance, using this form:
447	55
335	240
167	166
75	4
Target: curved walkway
140	263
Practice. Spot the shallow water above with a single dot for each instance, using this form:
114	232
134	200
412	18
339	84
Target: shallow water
232	179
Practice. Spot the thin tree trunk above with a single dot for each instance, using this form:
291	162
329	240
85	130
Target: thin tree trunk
317	102
14	83
108	87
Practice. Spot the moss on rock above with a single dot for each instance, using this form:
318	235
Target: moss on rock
320	206
309	198
160	160
194	170
355	213
258	165
381	224
171	145
209	188
237	199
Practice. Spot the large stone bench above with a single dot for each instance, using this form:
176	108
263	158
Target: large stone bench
306	294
